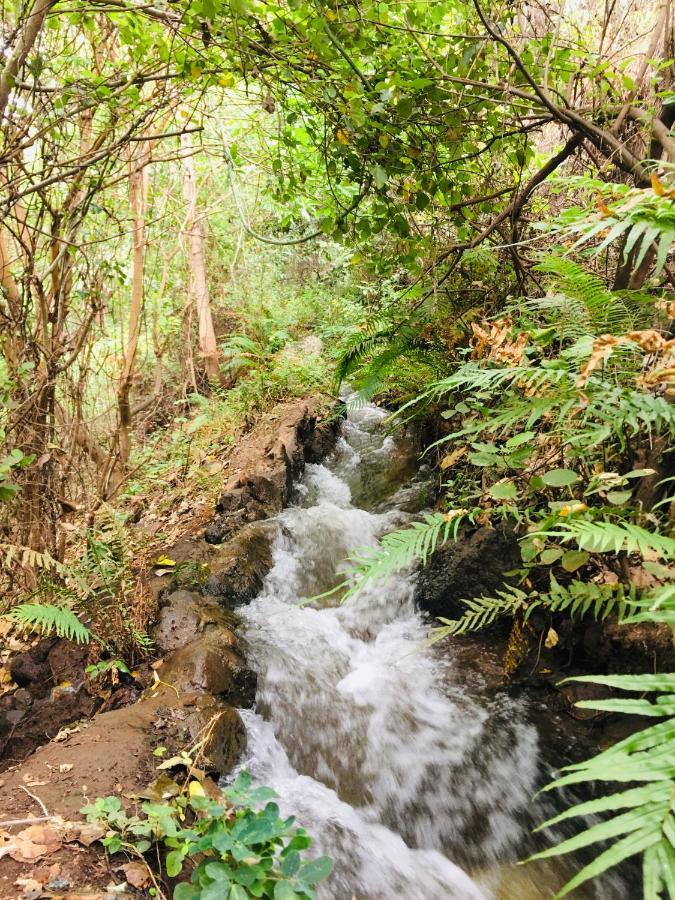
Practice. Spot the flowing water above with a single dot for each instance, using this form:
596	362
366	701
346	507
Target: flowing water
414	780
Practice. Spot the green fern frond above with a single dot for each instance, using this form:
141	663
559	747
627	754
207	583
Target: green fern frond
576	599
47	619
646	820
399	549
611	537
481	612
374	335
638	215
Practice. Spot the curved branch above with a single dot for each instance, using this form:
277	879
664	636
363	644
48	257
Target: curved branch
659	130
280	242
24	44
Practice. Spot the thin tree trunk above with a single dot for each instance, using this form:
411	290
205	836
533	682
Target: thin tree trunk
138	197
198	287
32	25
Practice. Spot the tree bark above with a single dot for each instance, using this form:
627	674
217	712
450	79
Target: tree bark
138	198
198	287
27	37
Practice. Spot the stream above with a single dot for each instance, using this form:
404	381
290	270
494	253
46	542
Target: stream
415	780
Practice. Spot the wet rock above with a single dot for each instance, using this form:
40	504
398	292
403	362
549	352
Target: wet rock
573	692
322	439
186	615
263	474
238	568
644	647
31	668
210	665
218	726
475	565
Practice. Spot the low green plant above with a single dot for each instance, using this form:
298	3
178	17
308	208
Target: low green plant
559	415
234	848
96	589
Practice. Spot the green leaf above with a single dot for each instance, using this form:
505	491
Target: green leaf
629	707
219	872
648	793
316	870
290	863
623	849
174	863
550	555
559	478
186	891
664	683
283	890
380	176
237	892
574	559
503	490
618	498
636	819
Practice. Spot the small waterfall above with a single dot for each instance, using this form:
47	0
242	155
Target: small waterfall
403	772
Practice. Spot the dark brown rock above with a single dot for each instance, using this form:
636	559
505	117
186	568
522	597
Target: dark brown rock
476	564
223	733
186	615
238	568
263	475
42	720
31	668
644	647
573	692
209	665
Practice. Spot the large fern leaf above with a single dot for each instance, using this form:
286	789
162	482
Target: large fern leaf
646	823
49	619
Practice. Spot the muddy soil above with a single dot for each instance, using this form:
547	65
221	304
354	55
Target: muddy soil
57	757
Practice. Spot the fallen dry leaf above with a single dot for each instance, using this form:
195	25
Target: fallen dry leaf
65	732
551	638
30	888
137	874
453	457
82	832
32	843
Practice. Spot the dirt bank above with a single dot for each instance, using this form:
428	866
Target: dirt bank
194	686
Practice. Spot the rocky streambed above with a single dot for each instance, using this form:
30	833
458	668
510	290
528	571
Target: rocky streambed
414	767
201	680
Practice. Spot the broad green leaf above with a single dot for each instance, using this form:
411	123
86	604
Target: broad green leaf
503	490
186	891
550	555
559	478
316	870
283	890
574	559
174	863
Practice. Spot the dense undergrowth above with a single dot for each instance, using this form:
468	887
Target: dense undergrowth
560	423
465	210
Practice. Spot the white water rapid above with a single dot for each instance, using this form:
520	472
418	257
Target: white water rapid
377	744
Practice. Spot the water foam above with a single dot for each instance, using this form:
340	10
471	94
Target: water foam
376	746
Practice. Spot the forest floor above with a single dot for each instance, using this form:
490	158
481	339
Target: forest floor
101	737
